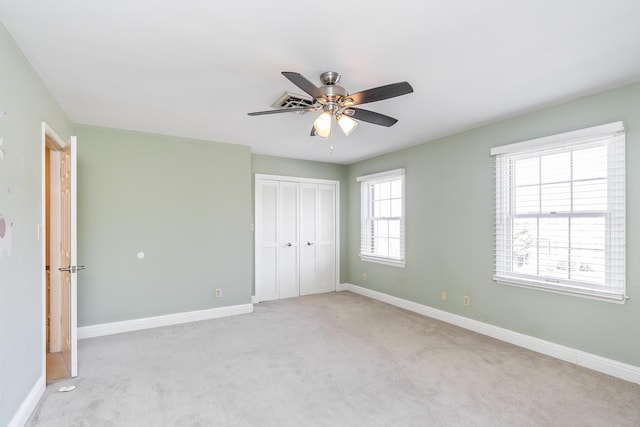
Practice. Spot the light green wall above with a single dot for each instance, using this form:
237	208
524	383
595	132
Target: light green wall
305	169
27	103
186	204
449	227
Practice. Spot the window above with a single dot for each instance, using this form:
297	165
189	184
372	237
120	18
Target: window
560	213
382	217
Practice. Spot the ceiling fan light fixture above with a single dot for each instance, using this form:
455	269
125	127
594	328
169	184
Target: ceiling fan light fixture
347	124
322	125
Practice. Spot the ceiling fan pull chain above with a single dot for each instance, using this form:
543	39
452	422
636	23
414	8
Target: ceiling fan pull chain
331	140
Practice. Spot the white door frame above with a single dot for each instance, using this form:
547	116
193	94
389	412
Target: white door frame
259	176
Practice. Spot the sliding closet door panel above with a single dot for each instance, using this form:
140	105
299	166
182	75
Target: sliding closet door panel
308	238
288	240
326	246
266	240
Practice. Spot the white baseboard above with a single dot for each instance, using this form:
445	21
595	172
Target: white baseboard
339	287
597	363
158	321
29	403
342	287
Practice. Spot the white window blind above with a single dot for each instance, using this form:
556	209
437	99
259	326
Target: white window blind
560	213
382	237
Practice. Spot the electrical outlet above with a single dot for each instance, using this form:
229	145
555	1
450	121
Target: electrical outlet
467	300
443	295
363	276
218	293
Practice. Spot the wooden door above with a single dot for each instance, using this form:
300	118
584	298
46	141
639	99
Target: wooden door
68	254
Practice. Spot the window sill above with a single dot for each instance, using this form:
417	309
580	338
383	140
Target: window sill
386	261
560	289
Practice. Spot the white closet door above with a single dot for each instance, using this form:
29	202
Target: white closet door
288	240
326	243
308	238
266	240
296	251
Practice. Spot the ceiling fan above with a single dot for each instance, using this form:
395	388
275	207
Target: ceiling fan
335	101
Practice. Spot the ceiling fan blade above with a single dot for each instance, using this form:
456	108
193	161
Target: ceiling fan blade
379	93
304	84
370	117
281	110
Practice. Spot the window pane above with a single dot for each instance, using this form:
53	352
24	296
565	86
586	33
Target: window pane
525	232
526	171
554	247
588	249
555	168
396	208
394	228
590	163
385	190
396	189
382	246
394	248
382	228
527	200
588	266
556	197
588	233
385	208
590	195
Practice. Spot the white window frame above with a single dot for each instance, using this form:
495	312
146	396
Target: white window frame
611	136
366	223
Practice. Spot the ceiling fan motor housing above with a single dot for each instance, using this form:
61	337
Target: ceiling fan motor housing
332	91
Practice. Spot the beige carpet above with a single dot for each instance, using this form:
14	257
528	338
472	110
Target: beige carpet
336	359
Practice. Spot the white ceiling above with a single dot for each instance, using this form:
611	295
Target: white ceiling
196	68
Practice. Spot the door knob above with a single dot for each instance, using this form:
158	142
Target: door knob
311	243
72	268
288	244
